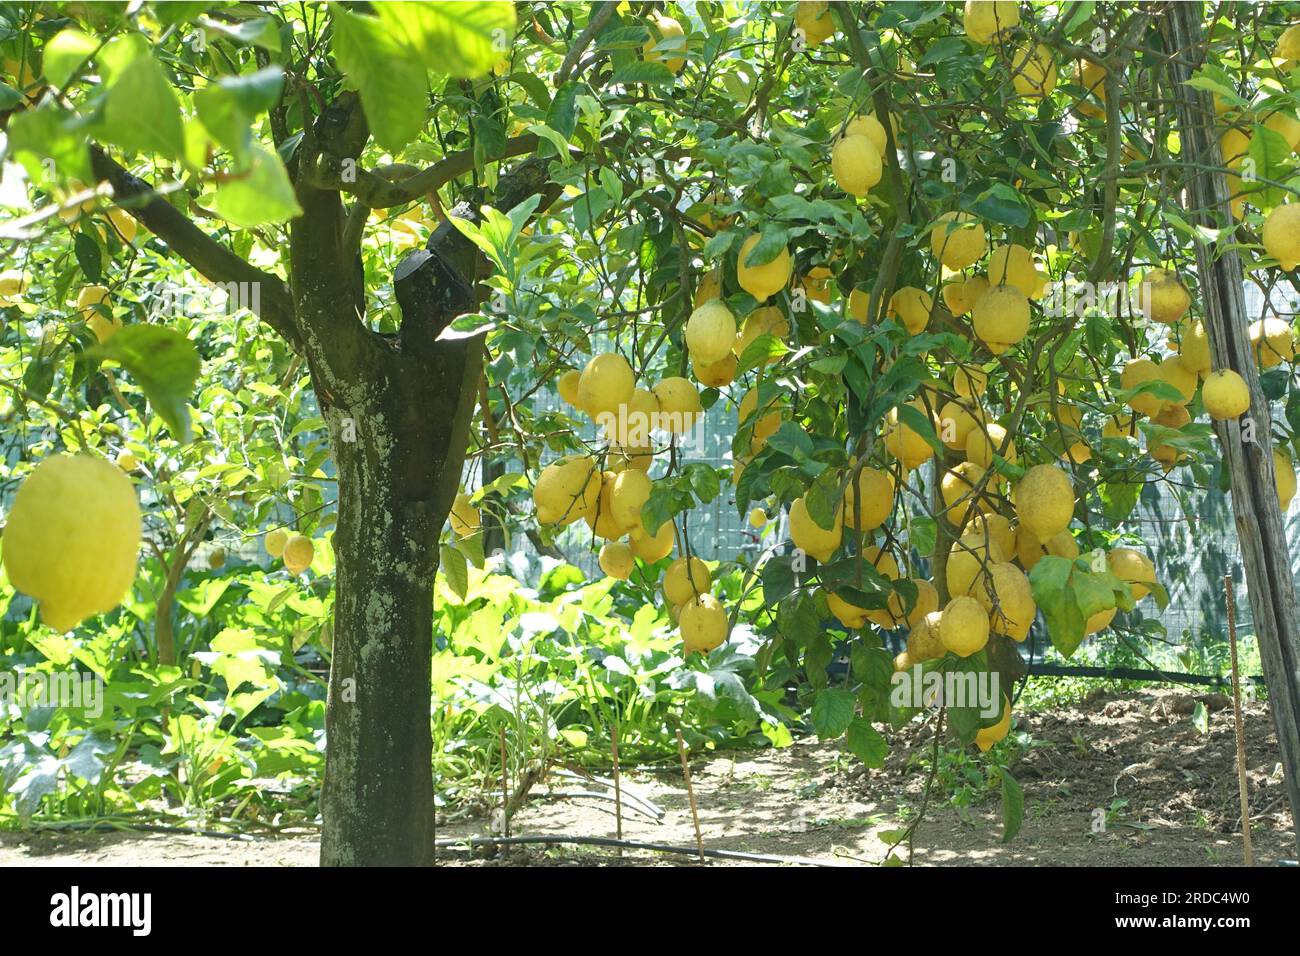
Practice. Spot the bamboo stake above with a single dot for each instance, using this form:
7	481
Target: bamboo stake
505	786
618	790
690	792
1238	725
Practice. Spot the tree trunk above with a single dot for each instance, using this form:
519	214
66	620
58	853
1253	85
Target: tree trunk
1247	448
399	454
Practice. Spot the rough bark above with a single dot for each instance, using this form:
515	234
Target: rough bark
399	453
1260	529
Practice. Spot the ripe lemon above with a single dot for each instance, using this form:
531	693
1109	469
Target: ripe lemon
1225	395
762	280
14	283
1234	145
1133	567
848	614
1138	372
812	538
568	386
905	444
1281	235
634	420
1044	501
298	553
955	423
1001	317
600	519
814	18
710	332
967	558
1284	123
986	19
653	547
817	284
1288	45
680	588
567	489
927	603
628	494
958	240
719	373
1194	348
869	500
1284	469
971	291
969	382
1029	548
666	39
1163	298
855	163
757	518
986	737
703	623
1009	602
623	457
983	443
710	287
1033	70
72	538
1099	621
1092	77
123	223
911	306
1014	265
923	642
998	529
766	425
605	384
465	518
859	303
103	326
958	488
867	125
127	461
765	321
1272	342
1174	372
616	559
964	626
274	542
679	404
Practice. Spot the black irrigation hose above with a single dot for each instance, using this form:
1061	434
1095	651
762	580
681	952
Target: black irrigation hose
629	844
1127	673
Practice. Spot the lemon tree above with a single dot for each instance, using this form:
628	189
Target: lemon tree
937	261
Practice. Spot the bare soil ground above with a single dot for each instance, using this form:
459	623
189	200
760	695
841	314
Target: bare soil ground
1166	793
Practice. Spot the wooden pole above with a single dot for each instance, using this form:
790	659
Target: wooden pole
618	788
505	786
1238	724
1246	444
690	792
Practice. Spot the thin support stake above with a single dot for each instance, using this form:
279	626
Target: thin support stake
505	785
1238	725
690	792
618	790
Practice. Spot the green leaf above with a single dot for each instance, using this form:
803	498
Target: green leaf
778	579
1013	806
462	40
65	54
1054	595
452	564
88	256
228	108
1001	203
774	241
865	743
389	74
1201	718
142	113
163	363
703	480
832	712
642	71
260	194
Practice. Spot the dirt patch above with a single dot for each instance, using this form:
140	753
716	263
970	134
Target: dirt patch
1121	780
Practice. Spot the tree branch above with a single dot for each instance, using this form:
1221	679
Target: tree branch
205	254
